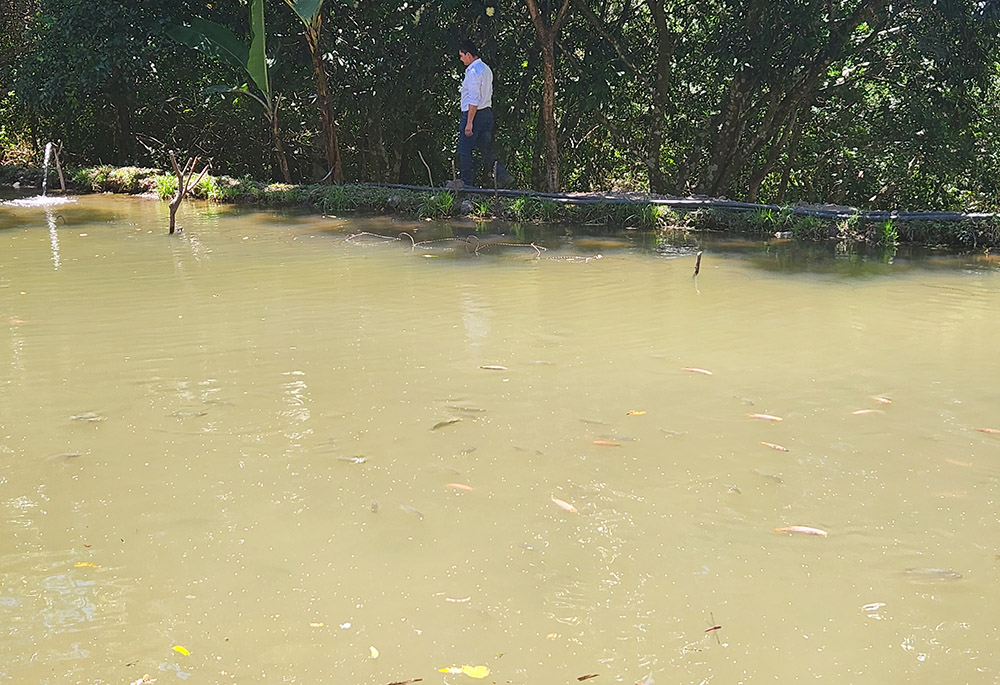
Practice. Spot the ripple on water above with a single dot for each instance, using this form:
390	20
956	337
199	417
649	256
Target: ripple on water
46	593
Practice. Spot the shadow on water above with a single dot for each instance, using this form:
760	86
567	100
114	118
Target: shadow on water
785	256
481	238
459	237
852	260
67	215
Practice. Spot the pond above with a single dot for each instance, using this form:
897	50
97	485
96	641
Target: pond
271	450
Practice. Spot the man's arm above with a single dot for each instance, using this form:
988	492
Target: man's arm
468	124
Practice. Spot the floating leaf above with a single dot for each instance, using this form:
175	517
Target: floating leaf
476	671
84	564
493	367
182	650
471	671
374	652
587	677
635	412
318	624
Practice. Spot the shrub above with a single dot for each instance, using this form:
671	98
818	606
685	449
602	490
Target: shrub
437	206
165	186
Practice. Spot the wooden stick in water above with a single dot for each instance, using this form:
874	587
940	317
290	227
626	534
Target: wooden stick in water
62	179
697	264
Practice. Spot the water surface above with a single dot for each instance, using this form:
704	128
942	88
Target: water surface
245	441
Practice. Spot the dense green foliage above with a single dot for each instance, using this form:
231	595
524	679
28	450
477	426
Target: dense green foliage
871	103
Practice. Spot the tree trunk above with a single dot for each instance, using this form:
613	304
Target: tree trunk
279	150
772	156
184	184
549	118
793	147
331	144
788	91
546	35
666	42
538	155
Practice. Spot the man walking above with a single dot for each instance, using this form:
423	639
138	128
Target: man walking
475	128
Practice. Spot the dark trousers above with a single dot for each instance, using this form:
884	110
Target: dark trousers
482	140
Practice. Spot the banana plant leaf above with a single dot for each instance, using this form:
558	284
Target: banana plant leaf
306	9
218	41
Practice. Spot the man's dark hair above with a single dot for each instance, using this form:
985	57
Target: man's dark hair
468	47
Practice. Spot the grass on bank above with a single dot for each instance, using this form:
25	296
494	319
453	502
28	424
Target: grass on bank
762	223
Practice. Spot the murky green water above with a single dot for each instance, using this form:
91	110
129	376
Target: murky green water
245	441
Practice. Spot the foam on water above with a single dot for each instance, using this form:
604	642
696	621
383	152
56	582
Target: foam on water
39	201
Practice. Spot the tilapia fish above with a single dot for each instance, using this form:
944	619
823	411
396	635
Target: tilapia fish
933	573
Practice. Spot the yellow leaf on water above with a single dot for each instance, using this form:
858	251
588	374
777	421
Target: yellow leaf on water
450	669
476	671
182	650
84	564
374	652
635	412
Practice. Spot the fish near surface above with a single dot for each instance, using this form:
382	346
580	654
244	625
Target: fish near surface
770	476
933	573
803	530
412	511
442	424
774	446
765	417
67	455
88	417
564	505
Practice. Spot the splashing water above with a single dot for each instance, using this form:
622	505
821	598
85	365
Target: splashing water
45	167
41	200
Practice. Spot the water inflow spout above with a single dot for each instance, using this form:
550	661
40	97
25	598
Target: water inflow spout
45	167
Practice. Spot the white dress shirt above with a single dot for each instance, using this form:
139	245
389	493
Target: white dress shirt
477	86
